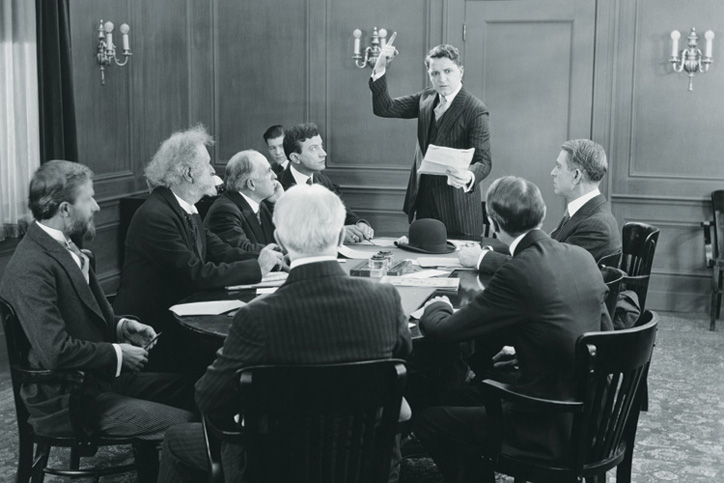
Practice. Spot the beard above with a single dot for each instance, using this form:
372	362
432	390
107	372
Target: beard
83	229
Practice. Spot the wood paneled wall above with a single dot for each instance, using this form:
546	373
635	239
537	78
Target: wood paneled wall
239	67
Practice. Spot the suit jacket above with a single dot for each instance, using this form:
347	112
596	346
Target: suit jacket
287	180
464	125
232	219
68	321
540	302
161	266
592	227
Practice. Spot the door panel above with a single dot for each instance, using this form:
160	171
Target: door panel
531	62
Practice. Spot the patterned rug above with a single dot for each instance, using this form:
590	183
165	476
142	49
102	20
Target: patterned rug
680	439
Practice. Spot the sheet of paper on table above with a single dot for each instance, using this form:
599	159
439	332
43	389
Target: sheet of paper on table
266	290
439	159
431	262
348	252
272	279
213	307
426	274
439	283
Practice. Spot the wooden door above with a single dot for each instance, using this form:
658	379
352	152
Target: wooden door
531	62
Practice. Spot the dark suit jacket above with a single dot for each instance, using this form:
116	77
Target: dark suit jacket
161	267
319	315
546	296
68	322
464	125
287	180
593	227
232	219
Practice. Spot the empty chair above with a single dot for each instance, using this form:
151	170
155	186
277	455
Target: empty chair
324	423
81	442
639	246
714	248
613	278
610	367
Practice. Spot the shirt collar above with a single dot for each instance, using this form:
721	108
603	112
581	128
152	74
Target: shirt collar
252	204
514	243
578	203
56	235
300	178
451	97
308	260
187	207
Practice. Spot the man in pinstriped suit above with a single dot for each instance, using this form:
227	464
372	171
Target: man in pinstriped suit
447	115
319	315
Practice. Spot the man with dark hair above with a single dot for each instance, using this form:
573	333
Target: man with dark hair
304	148
320	315
539	302
588	221
274	140
449	116
240	215
169	253
70	326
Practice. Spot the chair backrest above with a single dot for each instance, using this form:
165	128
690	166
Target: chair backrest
613	278
639	247
330	423
717	204
486	222
610	260
18	347
610	368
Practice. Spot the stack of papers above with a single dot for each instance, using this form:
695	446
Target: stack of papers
439	159
213	307
438	283
272	279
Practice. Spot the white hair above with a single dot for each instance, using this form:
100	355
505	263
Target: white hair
309	219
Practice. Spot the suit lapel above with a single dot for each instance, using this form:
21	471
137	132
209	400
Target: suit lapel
583	213
426	116
248	214
452	114
75	275
168	197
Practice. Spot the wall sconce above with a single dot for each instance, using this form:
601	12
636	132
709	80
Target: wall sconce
107	49
690	59
372	51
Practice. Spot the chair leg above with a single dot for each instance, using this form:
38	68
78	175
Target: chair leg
41	461
25	458
716	295
74	458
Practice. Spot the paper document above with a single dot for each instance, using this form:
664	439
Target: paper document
213	307
439	283
272	279
426	274
384	242
266	290
348	252
430	262
439	159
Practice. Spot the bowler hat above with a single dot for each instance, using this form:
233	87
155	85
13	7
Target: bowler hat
428	236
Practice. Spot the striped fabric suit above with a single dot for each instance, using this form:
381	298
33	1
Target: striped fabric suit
464	125
232	219
319	315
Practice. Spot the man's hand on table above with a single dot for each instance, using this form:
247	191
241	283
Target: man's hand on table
505	359
439	298
357	233
269	257
469	255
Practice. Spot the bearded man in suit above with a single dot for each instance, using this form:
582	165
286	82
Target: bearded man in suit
319	315
64	313
241	216
539	302
449	116
588	221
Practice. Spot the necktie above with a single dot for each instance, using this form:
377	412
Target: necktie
563	221
84	264
258	216
309	181
194	224
440	108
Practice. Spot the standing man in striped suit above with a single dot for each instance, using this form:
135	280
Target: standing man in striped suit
447	115
320	315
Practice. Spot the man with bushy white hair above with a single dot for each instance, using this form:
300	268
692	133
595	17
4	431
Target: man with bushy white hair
320	315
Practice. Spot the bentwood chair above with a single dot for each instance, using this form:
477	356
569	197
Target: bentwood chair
81	442
613	278
610	367
321	423
610	260
639	246
714	248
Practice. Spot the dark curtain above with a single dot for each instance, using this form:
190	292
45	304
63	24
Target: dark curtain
58	137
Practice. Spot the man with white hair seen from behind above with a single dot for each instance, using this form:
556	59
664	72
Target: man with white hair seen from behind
320	315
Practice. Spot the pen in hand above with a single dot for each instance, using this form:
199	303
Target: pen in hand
150	343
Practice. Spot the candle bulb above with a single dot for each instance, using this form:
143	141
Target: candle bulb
124	31
383	37
675	43
357	34
109	35
709	36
